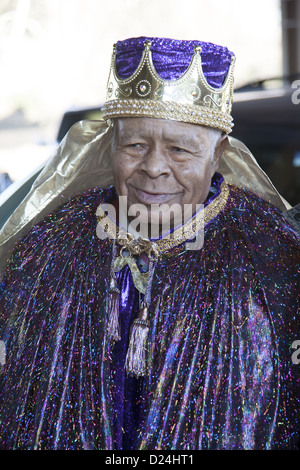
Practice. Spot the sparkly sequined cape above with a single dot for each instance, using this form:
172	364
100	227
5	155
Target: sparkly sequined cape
223	320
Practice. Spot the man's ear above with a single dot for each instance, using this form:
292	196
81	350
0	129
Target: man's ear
218	152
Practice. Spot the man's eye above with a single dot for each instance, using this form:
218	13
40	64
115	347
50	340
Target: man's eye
135	146
178	150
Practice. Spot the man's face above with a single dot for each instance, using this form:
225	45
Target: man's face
158	161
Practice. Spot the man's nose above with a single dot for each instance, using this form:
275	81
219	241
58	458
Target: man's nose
155	163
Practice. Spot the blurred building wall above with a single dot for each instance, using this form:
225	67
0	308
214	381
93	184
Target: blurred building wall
291	36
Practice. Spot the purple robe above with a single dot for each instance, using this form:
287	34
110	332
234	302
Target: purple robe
222	323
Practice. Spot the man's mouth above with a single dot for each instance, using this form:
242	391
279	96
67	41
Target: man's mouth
153	197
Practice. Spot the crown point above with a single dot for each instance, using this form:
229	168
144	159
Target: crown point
197	49
147	44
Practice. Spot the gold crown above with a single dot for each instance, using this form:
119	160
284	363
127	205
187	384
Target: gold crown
188	99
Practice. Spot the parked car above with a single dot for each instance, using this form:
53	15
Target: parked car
71	117
266	120
11	197
5	181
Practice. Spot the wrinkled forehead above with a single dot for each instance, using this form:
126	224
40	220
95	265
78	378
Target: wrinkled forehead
162	129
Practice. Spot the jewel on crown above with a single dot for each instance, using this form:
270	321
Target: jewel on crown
189	98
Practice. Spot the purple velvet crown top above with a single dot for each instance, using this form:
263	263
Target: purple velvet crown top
171	58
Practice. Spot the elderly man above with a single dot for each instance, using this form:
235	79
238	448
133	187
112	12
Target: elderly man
126	335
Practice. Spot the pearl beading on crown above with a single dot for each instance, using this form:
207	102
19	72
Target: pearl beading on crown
188	99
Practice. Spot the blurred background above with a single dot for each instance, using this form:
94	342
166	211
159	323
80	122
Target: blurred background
55	57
